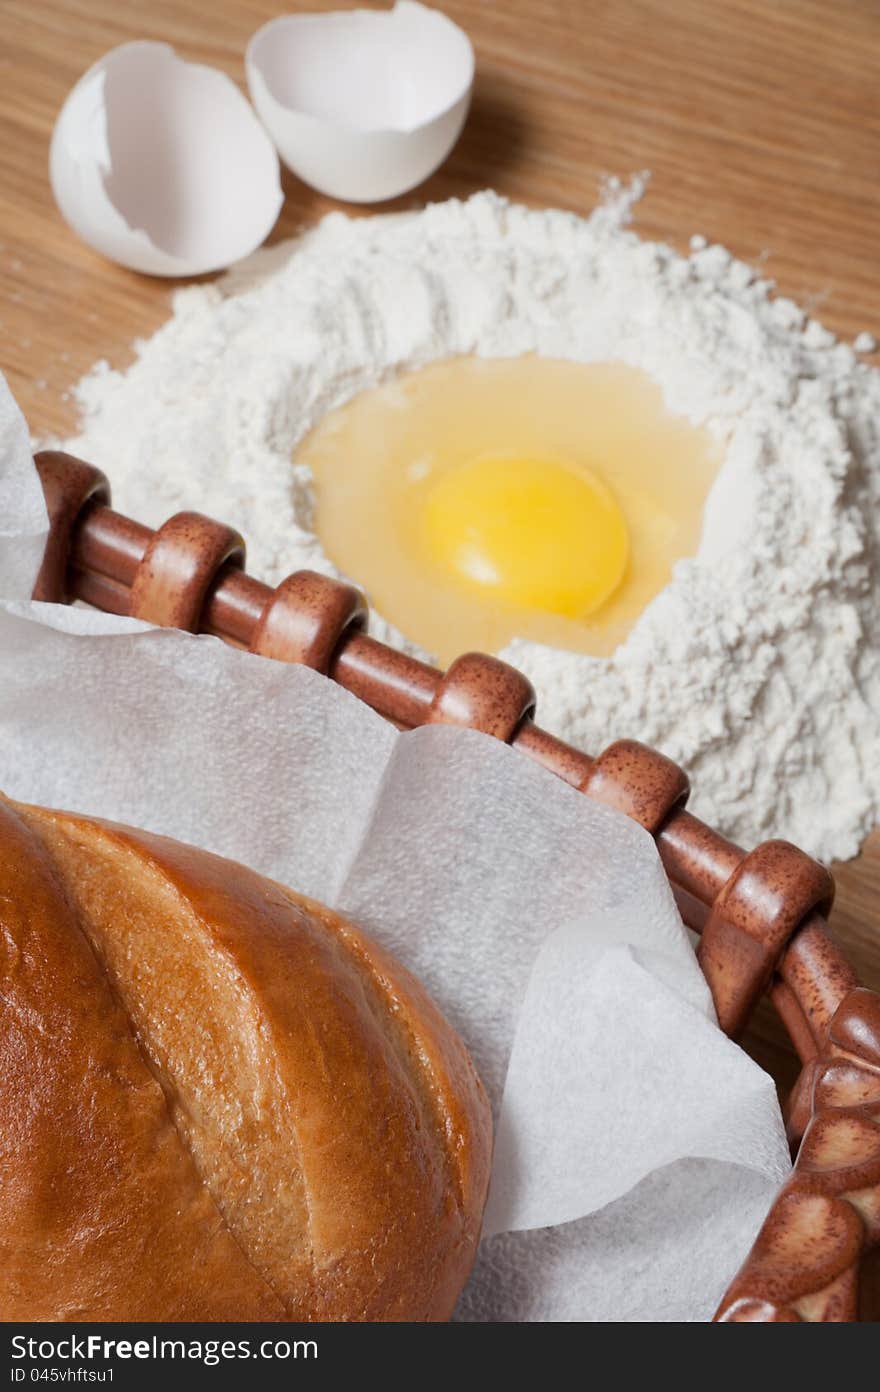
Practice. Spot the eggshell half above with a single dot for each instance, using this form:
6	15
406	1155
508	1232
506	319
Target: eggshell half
162	165
362	104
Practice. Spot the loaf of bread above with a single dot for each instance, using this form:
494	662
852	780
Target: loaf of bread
218	1100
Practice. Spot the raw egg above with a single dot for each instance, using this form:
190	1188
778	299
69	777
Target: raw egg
479	500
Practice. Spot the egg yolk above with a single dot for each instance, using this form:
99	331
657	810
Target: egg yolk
536	533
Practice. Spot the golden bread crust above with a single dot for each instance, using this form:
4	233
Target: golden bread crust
218	1100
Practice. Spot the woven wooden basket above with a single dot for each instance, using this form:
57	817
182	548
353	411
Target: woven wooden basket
761	915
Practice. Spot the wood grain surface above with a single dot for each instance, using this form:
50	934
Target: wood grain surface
759	120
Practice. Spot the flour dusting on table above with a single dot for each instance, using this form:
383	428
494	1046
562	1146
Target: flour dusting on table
758	667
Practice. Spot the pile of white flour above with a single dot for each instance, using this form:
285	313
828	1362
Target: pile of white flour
758	667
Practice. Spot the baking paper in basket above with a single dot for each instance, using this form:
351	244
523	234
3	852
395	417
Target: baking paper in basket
637	1149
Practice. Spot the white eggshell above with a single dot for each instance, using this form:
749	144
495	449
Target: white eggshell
162	165
362	104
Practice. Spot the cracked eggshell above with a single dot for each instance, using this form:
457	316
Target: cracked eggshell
162	165
362	104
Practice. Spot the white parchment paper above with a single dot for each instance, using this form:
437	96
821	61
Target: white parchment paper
637	1149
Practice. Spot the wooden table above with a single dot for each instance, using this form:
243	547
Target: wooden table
760	120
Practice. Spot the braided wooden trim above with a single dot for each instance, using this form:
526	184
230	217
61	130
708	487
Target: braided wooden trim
306	620
763	913
484	694
805	1262
178	567
638	781
768	896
